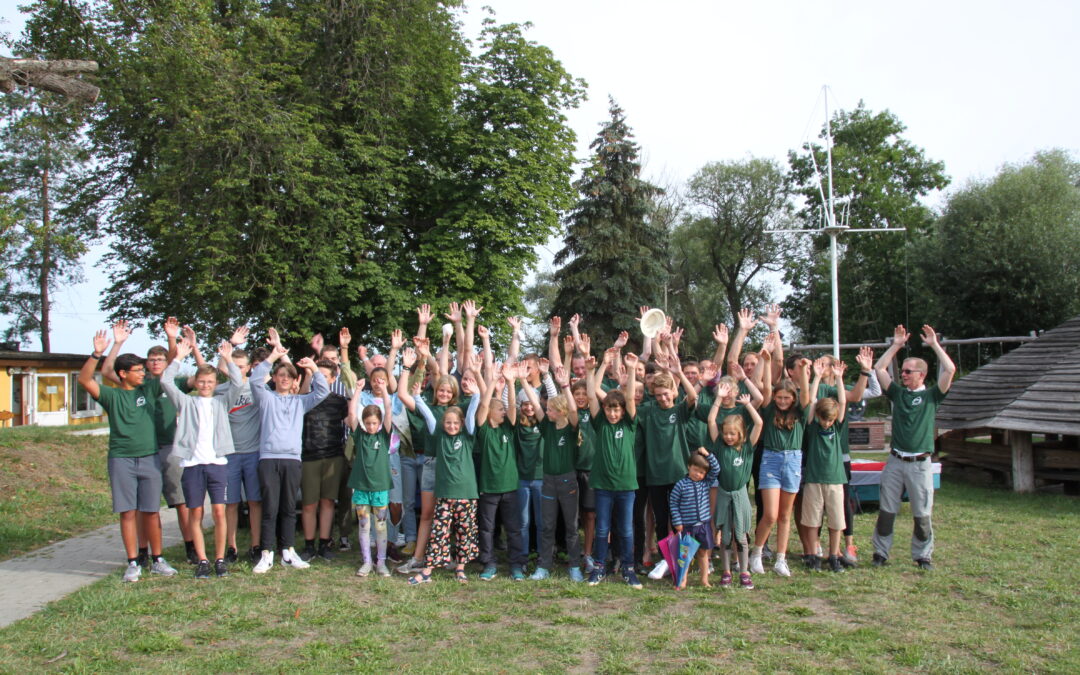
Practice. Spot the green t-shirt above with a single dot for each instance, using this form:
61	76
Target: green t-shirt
775	438
165	415
586	441
430	444
371	464
824	454
455	474
615	461
495	453
829	391
609	383
736	463
666	446
131	419
560	446
913	417
530	452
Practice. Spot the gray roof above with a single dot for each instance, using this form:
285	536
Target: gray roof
1035	387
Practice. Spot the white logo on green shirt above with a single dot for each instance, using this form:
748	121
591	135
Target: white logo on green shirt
457	445
737	461
618	433
917	400
562	440
672	418
140	401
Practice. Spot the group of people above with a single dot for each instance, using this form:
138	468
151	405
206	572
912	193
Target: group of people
442	453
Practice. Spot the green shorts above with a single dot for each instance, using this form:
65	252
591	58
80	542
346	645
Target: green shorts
378	498
321	478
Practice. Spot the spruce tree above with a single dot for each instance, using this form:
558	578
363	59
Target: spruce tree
613	257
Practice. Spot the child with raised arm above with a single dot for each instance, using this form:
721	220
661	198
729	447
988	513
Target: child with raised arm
783	424
824	478
732	443
530	462
498	479
281	417
134	465
370	478
688	504
558	428
455	480
202	444
614	474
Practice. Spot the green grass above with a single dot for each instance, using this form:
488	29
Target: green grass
1003	596
53	485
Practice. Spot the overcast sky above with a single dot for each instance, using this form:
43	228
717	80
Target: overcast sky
978	84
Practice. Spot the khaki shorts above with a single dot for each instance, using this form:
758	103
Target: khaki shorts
818	498
321	479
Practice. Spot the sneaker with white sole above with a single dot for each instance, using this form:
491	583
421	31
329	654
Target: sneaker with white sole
411	565
590	564
382	570
781	567
163	568
289	557
132	573
755	562
659	571
365	569
400	541
266	561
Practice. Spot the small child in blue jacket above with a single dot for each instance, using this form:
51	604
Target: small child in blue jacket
689	504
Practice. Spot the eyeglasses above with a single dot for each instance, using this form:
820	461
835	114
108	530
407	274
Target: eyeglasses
907	371
137	370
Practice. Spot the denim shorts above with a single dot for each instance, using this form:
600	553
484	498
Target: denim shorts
395	478
427	479
780	469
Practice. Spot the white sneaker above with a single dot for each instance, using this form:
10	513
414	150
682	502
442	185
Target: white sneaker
410	566
290	557
264	564
382	570
132	573
659	571
755	562
400	541
781	568
364	570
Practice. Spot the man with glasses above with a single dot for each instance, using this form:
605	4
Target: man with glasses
908	467
134	466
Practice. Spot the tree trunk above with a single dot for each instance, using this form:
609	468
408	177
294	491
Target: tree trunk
46	255
51	76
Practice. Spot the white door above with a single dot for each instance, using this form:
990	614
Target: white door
52	401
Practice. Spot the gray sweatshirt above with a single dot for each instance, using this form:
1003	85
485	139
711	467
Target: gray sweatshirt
281	416
187	421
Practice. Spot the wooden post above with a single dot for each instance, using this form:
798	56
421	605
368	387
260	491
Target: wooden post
1023	461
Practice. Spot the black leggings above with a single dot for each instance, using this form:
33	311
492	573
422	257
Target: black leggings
279	480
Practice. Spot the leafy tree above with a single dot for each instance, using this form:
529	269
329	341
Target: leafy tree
614	255
312	165
721	247
1004	257
43	154
885	176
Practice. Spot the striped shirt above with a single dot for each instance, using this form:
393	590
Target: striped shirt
689	499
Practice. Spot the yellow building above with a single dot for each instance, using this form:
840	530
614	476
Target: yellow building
43	389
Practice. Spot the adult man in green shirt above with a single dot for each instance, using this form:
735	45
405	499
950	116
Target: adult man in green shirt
134	466
908	467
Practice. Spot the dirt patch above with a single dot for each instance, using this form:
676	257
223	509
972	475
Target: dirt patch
821	611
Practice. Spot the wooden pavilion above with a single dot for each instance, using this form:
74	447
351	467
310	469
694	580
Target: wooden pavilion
1032	390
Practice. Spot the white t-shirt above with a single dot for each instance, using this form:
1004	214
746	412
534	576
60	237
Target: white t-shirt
204	447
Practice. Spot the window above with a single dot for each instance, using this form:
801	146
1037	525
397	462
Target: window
82	403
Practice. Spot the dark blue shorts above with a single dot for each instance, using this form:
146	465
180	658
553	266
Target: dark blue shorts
243	472
202	478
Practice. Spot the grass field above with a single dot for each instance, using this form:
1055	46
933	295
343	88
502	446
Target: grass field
1003	596
53	485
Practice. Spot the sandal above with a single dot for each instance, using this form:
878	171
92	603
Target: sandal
420	578
461	577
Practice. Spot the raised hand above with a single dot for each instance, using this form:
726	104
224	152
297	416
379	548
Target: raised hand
555	325
720	334
562	378
585	344
723	390
621	341
189	335
121	331
408	358
362	353
929	336
471	310
771	318
424	315
171	327
590	363
239	336
709	372
225	349
101	342
820	366
272	338
676	337
642	310
423	347
344	339
744	400
631	361
317	343
544	365
482	331
454	315
865	359
397	340
574	321
515	323
568	343
838	369
900	336
277	352
360	384
746	319
183	349
306	363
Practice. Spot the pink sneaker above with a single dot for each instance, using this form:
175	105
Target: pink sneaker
746	581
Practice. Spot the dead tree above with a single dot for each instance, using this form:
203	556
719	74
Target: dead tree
55	76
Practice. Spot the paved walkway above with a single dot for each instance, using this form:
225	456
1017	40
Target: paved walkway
29	582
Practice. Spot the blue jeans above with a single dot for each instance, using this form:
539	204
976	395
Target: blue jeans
410	485
622	503
528	494
781	469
